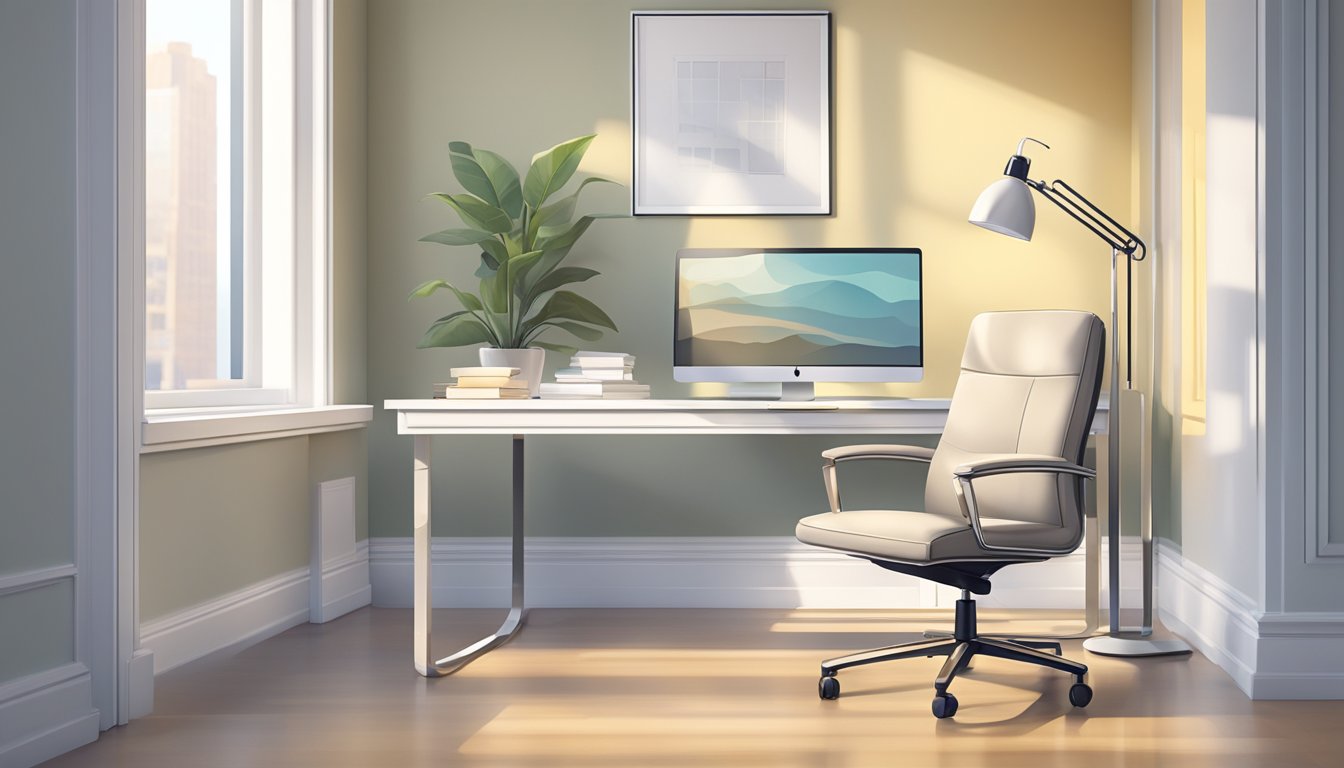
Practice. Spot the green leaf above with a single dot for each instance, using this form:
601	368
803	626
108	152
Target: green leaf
552	280
519	266
427	288
499	321
495	292
567	305
468	300
550	238
561	211
563	349
487	267
488	176
496	253
505	180
430	286
477	213
457	237
456	330
548	262
552	169
585	332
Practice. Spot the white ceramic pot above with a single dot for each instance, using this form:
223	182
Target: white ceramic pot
530	361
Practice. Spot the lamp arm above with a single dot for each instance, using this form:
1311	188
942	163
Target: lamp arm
1087	213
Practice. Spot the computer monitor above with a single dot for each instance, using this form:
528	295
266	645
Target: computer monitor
798	316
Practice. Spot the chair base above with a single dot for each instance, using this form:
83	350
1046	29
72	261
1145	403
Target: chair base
960	648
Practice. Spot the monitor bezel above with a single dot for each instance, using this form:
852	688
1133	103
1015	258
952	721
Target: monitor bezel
813	374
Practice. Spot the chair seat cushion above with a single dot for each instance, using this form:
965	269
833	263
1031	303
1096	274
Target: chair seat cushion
916	537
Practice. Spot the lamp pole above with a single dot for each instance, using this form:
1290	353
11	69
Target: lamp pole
1006	207
1122	241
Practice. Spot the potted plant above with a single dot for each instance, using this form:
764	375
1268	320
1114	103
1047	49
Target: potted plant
523	237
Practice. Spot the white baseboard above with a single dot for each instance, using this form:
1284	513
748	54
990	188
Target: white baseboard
1299	656
45	715
240	618
340	565
345	587
255	613
1270	656
682	572
140	679
1208	613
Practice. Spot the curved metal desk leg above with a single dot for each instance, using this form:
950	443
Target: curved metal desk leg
424	661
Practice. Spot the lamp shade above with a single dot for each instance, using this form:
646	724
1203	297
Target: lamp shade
1006	207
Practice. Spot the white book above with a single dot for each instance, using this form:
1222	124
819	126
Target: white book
594	374
603	396
592	353
582	360
592	389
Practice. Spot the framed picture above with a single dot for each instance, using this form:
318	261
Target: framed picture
731	113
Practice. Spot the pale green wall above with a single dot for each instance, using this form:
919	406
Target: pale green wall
37	279
37	174
925	115
334	455
215	520
37	629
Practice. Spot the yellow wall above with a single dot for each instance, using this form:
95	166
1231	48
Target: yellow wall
1194	293
930	99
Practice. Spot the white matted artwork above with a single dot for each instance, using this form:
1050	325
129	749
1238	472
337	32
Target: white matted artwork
731	113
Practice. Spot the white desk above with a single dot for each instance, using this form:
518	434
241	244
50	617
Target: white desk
425	418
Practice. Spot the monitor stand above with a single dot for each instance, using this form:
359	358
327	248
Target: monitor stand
787	391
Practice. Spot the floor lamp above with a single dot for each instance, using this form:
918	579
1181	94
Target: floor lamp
1007	207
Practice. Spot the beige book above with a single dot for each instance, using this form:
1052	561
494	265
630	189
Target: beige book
502	382
484	370
485	393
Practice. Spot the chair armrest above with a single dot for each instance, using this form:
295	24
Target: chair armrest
1011	463
1006	464
907	452
852	452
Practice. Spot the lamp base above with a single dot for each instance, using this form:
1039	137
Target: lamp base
1120	645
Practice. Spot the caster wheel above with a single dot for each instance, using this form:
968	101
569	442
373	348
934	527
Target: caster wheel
944	705
1080	695
828	688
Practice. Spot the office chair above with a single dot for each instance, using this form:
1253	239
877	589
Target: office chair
1005	486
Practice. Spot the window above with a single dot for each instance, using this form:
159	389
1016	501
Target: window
235	163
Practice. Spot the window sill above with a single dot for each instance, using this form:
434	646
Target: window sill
178	430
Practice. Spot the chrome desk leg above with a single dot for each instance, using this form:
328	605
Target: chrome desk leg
424	662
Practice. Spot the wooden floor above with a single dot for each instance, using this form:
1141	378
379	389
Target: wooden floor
694	688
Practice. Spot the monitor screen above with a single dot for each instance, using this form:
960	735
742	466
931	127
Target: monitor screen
814	314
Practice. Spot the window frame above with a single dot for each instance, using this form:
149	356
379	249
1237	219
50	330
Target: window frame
285	319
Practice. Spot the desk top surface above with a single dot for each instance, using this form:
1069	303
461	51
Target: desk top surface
687	405
706	416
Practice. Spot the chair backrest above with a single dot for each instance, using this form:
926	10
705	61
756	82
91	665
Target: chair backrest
1029	384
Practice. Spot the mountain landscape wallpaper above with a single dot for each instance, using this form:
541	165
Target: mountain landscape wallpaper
799	308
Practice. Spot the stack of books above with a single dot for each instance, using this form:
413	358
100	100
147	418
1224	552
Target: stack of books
484	383
604	375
